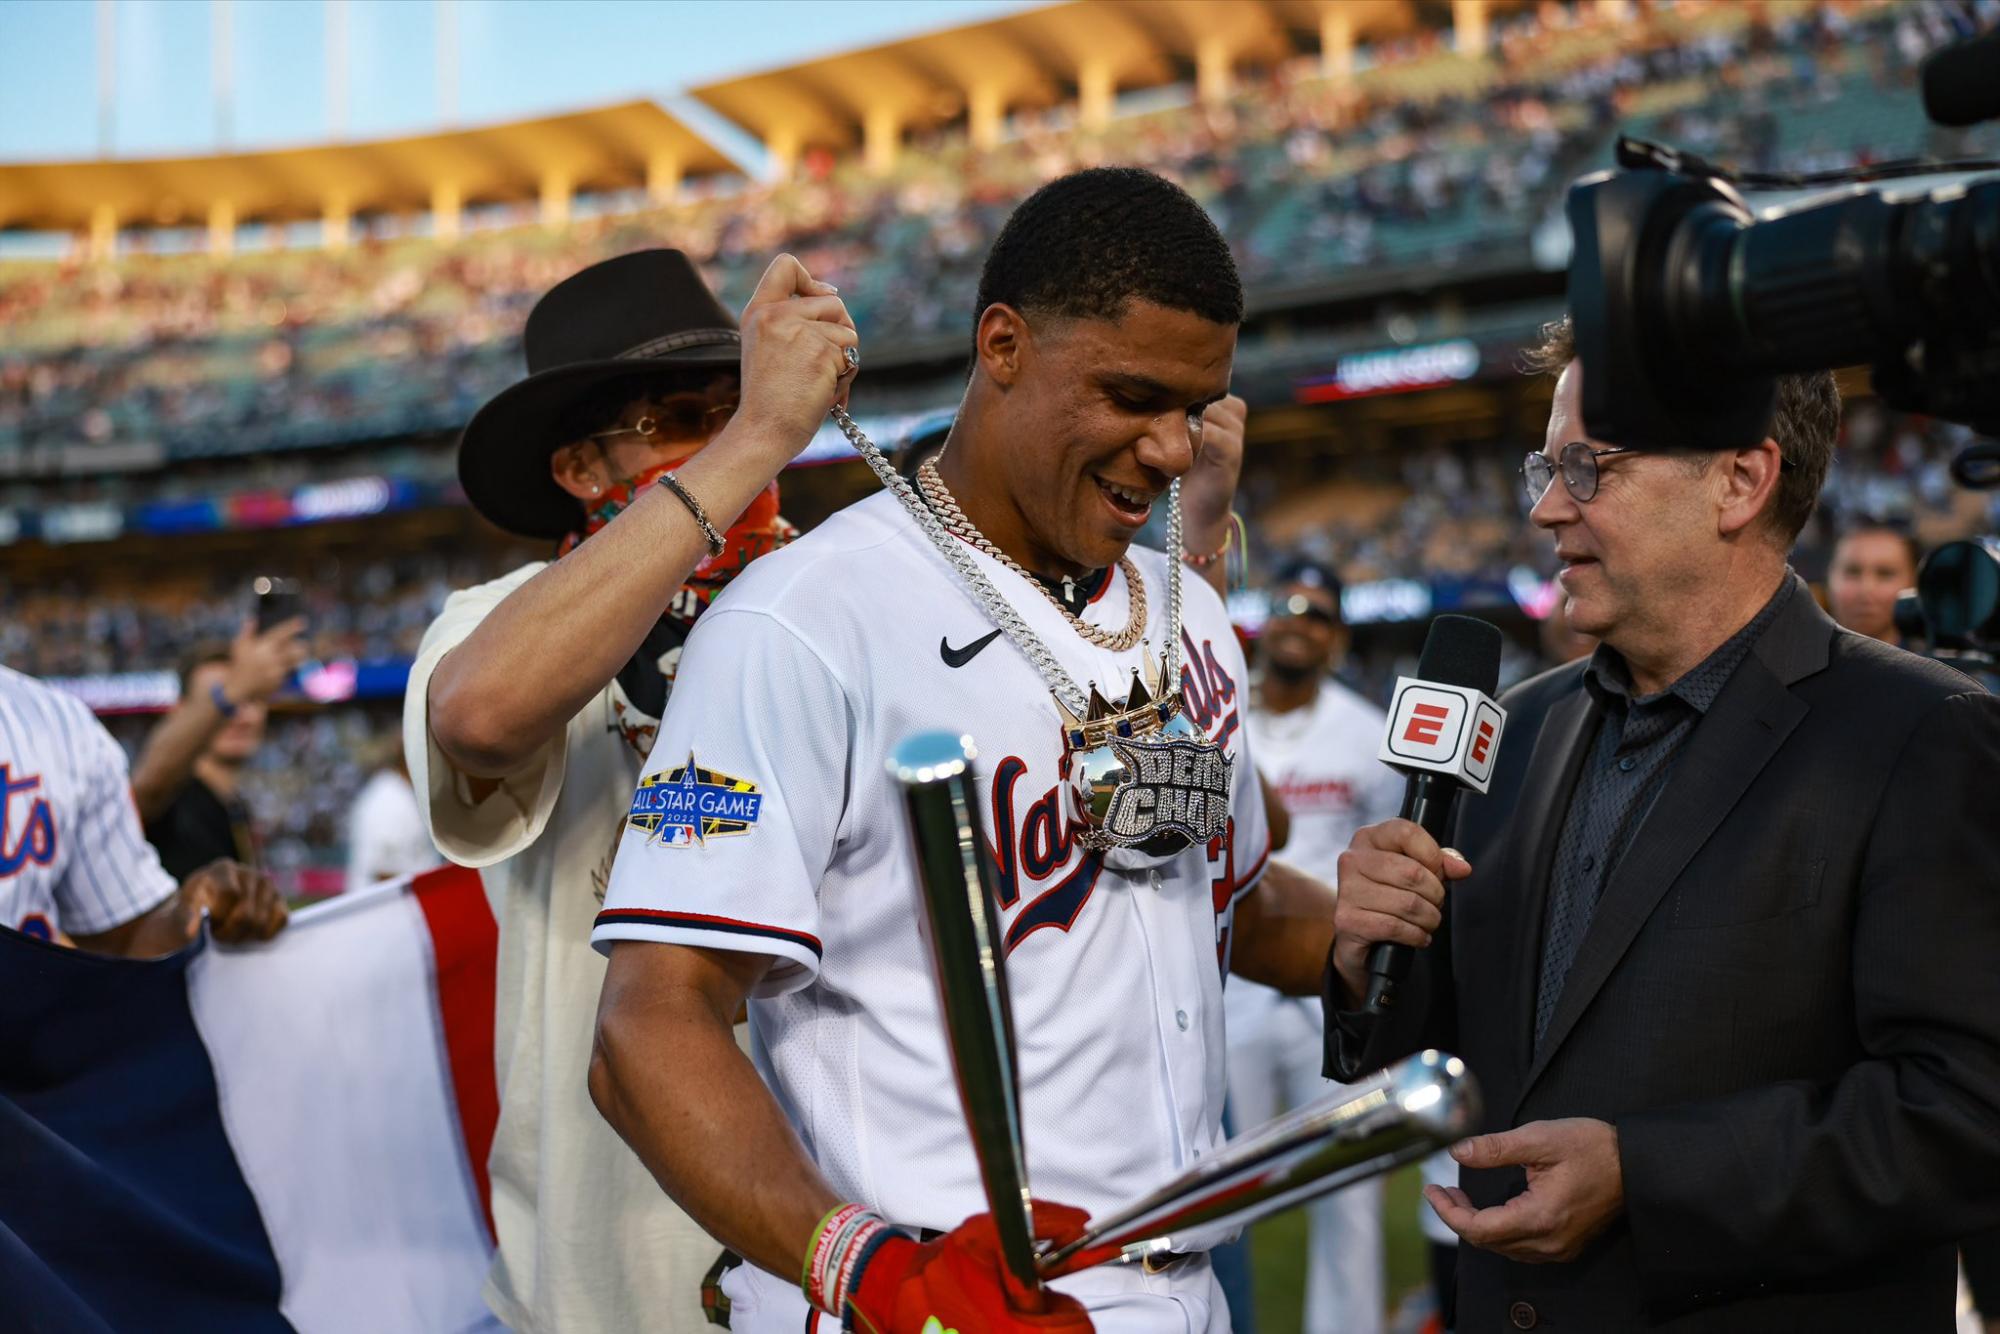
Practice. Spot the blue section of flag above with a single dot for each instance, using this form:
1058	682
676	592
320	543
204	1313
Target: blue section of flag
122	1206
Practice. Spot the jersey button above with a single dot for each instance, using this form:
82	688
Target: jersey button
1180	1017
1153	878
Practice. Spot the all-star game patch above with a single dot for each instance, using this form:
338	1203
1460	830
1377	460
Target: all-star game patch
687	806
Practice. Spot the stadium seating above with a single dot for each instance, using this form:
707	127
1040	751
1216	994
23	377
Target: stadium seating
1432	162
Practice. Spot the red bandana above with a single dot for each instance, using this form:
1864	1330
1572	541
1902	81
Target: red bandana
760	529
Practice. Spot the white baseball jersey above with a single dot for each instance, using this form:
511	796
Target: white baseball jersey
786	837
72	856
1321	759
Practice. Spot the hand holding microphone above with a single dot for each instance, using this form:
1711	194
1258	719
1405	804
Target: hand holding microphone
1444	733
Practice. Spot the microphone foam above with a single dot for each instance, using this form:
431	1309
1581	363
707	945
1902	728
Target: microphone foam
1462	651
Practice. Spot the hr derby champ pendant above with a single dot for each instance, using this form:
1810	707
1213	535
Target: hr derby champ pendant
1143	776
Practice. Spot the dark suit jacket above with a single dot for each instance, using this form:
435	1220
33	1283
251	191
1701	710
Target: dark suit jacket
1788	1001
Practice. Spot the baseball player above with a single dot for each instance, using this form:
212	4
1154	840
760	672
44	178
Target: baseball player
74	867
1316	743
765	857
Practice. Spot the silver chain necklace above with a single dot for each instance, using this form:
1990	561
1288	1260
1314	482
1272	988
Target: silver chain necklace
945	505
990	599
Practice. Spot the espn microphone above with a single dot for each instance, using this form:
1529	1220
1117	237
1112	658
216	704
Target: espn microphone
1444	732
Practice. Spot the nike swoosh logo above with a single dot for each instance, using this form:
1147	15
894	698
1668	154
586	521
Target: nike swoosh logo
958	657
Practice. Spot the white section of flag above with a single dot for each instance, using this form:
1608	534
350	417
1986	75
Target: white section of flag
336	1094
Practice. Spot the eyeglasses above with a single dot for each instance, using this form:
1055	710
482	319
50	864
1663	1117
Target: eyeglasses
1298	604
677	419
1577	462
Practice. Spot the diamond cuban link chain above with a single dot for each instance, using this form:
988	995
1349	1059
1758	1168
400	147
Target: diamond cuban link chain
990	599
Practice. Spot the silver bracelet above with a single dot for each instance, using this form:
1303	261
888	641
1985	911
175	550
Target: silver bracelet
708	533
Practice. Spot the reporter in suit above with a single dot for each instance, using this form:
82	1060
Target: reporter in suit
1720	944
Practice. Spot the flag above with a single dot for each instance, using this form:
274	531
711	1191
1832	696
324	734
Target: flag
285	1137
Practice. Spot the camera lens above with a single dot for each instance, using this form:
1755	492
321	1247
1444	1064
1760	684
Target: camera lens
1959	586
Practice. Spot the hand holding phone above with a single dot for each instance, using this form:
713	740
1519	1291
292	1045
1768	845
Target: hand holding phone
271	644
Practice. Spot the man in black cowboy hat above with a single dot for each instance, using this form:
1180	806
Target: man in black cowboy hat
645	443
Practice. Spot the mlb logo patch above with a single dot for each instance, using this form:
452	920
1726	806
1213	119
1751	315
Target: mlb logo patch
687	806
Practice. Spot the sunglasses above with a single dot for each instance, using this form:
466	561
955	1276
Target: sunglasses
1298	604
677	419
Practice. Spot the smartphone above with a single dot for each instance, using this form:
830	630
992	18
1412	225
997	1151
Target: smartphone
278	600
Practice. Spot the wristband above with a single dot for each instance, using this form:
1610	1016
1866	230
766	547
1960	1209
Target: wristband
844	1237
221	701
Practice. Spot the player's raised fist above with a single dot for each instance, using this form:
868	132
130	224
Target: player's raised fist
796	338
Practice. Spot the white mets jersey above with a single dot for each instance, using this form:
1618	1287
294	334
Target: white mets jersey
1321	761
787	838
72	856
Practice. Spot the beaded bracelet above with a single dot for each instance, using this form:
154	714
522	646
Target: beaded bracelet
708	533
1202	562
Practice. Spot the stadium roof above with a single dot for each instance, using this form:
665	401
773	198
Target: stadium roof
1033	58
1080	50
629	144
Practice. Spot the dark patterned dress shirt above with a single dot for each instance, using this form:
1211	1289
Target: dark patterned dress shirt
1638	739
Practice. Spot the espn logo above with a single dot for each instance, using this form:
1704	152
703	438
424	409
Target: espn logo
1445	729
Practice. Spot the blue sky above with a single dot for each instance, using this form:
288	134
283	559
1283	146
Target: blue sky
516	58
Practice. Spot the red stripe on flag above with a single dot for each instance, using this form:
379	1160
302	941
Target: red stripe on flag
465	943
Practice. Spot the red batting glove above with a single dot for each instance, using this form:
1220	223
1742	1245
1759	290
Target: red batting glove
959	1282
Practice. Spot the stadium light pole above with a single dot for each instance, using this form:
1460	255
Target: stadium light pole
107	73
222	69
336	69
447	61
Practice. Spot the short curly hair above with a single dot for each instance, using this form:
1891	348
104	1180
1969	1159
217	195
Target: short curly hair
1085	244
1805	425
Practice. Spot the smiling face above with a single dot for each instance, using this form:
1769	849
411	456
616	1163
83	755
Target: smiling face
1870	567
1094	419
1641	549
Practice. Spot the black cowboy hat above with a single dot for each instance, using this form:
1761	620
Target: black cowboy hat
630	318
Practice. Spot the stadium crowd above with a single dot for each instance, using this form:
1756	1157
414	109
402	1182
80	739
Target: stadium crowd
1444	512
1425	160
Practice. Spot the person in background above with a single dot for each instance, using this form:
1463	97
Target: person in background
1315	742
1872	563
73	867
185	779
386	837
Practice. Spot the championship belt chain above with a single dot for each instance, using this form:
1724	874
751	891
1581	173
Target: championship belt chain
1136	774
